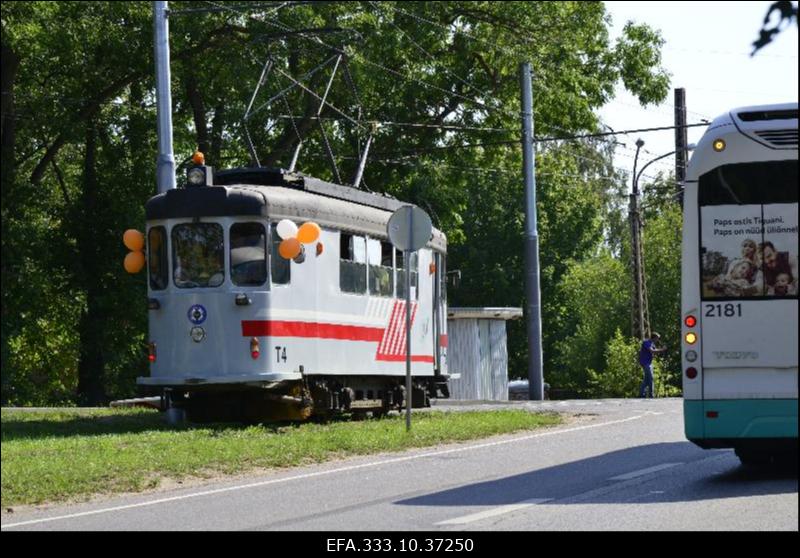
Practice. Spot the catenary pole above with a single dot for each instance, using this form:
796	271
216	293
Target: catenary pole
165	166
681	142
534	313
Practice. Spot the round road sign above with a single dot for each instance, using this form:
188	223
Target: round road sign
409	228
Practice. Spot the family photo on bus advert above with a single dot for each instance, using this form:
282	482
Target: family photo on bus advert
749	250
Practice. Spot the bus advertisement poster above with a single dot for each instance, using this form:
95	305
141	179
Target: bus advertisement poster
749	250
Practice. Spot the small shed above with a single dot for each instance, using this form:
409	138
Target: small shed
478	352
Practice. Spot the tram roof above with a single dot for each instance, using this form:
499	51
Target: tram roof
277	194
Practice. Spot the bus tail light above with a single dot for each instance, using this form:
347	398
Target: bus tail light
691	338
691	373
151	351
255	349
690	321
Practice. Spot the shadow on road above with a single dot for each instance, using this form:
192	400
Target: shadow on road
590	480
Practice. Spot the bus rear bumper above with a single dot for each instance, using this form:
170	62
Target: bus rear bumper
732	423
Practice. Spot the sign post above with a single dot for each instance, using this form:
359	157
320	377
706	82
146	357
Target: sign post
409	229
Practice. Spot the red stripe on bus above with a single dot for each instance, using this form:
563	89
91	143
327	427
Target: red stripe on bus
274	328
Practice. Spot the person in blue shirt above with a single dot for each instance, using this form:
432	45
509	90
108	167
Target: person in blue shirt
646	361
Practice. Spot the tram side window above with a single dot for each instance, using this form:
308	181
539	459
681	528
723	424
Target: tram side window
248	254
401	274
352	264
157	258
280	267
381	274
442	263
198	255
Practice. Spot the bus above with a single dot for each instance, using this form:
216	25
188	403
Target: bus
739	285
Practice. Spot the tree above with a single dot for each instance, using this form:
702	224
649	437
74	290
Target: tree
787	12
440	79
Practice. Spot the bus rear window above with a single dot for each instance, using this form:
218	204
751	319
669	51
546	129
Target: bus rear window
198	255
749	230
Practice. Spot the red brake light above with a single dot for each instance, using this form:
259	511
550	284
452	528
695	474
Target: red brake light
151	352
690	321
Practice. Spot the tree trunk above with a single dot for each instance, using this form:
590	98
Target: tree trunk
10	64
198	112
217	125
91	365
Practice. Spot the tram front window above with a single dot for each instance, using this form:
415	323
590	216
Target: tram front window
198	256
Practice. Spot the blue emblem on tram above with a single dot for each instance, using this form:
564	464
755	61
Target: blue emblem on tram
197	314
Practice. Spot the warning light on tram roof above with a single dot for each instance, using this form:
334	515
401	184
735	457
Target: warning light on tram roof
719	145
691	338
690	321
198	158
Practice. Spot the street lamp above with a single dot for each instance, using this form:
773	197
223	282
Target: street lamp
640	318
637	312
636	177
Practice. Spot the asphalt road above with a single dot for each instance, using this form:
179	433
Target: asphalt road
617	465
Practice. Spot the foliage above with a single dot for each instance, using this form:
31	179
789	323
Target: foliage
597	303
79	149
622	375
787	12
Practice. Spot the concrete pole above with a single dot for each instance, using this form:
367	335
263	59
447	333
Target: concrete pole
534	313
165	165
681	142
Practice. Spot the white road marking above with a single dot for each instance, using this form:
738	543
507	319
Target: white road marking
642	472
494	512
318	473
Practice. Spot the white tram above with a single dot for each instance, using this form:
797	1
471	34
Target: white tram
238	332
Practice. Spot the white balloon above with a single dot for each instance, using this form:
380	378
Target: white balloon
286	229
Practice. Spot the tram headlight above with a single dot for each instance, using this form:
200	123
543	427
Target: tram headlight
196	176
198	334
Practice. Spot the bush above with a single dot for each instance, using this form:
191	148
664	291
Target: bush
622	376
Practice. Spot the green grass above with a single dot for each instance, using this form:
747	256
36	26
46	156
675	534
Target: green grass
71	455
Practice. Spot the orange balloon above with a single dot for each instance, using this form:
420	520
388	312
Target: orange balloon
134	262
289	248
308	232
133	239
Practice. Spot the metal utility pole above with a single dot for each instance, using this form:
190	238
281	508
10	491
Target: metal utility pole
681	142
638	325
534	313
165	166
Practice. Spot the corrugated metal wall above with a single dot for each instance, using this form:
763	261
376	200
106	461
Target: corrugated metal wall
477	350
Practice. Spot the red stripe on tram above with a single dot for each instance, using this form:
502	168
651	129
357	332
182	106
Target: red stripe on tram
275	328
